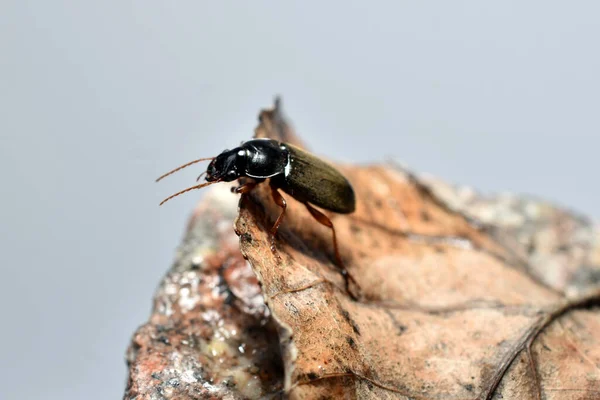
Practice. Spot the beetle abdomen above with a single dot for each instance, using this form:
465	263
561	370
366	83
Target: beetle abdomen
310	179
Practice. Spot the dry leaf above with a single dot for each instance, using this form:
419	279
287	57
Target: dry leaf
462	297
453	306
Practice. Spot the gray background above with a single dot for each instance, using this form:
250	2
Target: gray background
99	98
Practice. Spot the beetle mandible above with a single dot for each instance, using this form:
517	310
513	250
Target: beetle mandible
296	172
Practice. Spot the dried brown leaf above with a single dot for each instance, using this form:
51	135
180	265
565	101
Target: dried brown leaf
456	304
462	297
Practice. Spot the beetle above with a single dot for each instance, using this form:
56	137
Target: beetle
296	172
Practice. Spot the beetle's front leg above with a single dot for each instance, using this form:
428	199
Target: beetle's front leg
244	188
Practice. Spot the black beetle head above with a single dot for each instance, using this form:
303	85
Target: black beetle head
227	166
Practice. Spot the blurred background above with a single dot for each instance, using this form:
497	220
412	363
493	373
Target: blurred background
99	98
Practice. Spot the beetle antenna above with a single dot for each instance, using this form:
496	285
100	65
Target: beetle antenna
187	190
183	166
200	176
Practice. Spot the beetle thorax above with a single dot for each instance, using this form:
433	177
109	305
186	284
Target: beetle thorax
266	158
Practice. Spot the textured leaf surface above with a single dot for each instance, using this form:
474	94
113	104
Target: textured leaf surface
453	305
462	296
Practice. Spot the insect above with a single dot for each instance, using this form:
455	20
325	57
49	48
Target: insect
296	172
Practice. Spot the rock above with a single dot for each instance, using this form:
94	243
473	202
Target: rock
210	334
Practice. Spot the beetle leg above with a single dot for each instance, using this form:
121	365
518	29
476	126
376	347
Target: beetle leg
245	188
322	219
280	201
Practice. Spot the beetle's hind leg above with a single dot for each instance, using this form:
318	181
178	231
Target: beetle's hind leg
322	219
280	201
